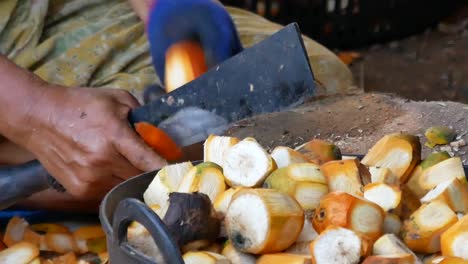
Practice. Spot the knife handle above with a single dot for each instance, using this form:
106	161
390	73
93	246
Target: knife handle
21	181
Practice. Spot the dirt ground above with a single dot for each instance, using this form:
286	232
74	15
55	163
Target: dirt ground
429	66
356	122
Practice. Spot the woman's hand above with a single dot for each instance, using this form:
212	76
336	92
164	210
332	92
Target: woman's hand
82	137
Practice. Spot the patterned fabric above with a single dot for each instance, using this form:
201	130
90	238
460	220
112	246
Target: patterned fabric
102	43
95	43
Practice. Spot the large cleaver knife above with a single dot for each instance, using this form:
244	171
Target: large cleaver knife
273	75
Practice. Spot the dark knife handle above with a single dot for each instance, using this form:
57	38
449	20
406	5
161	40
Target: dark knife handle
21	181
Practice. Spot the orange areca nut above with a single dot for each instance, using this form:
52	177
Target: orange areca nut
281	258
453	260
157	139
422	231
454	241
345	210
391	259
337	245
260	221
398	152
14	232
320	151
285	156
346	175
185	61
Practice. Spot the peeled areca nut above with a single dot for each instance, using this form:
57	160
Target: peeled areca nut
454	241
434	158
280	258
247	164
390	244
320	151
346	176
302	243
204	257
236	256
35	261
348	211
422	231
401	258
216	146
285	156
35	238
414	183
262	221
85	233
206	178
22	252
60	242
398	152
167	180
299	248
431	258
308	232
337	245
443	171
14	232
392	224
223	200
384	175
453	260
386	196
452	192
303	181
431	160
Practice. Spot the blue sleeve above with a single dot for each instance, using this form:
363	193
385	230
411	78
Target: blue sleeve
206	21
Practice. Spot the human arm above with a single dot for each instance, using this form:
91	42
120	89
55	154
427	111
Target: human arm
80	135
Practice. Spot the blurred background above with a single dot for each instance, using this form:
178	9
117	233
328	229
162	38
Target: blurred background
415	48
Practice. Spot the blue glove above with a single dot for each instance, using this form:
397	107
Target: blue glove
205	21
